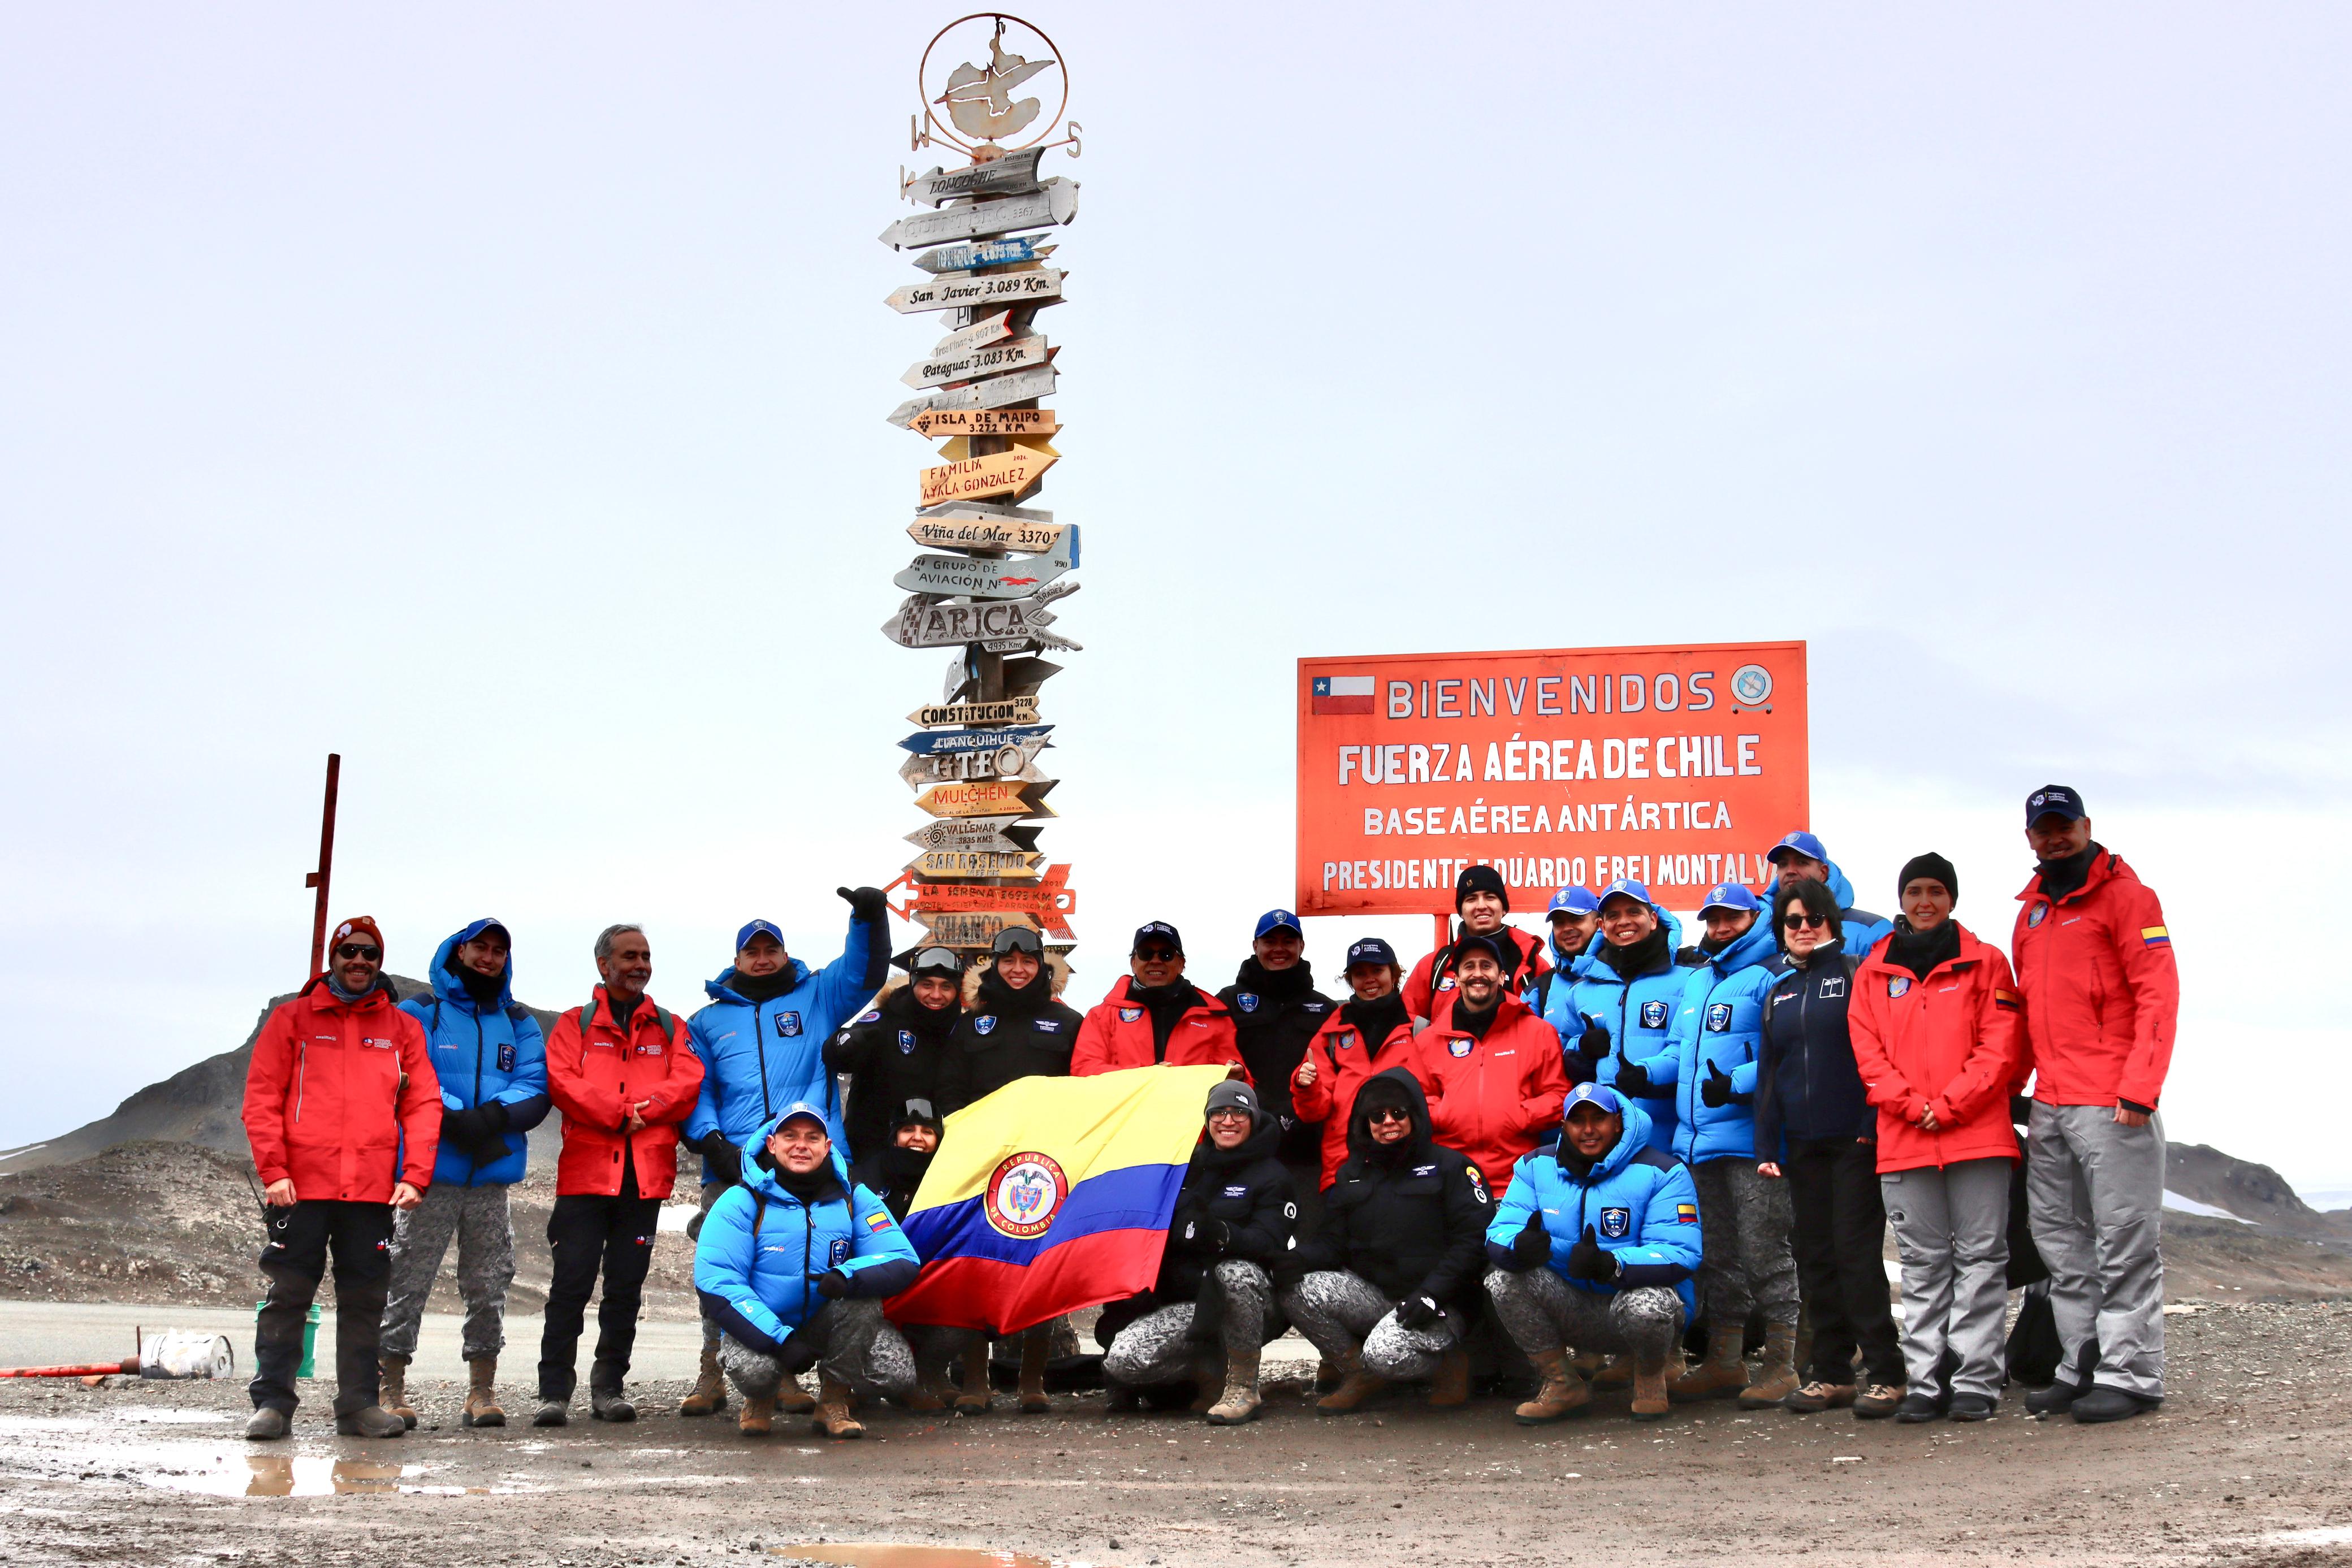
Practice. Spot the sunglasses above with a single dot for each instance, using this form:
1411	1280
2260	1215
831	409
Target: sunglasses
1389	1114
1158	955
1797	919
357	950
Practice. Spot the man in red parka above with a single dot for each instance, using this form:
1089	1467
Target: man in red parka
623	1073
1481	901
2095	963
343	1111
1491	1069
1155	1017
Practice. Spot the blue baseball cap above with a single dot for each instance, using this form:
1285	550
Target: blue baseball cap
1599	1094
1798	842
1275	920
1729	896
1573	900
802	1111
1625	887
1373	950
2054	801
759	928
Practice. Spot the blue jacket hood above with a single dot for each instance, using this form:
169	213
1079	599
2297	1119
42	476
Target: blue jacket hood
761	1180
1755	946
1590	959
1631	1142
723	988
449	987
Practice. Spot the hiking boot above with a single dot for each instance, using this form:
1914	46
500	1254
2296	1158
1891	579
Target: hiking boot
1588	1365
371	1421
1356	1385
1775	1379
1973	1407
975	1399
1326	1375
1917	1408
759	1414
1240	1401
1722	1372
1879	1401
265	1425
392	1375
610	1405
1124	1399
1616	1371
1650	1392
709	1397
1451	1387
2054	1400
832	1417
481	1408
1208	1378
2105	1404
1034	1348
1563	1393
552	1412
1814	1396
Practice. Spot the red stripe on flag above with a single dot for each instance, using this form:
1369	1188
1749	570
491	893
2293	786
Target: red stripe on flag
1005	1298
1340	705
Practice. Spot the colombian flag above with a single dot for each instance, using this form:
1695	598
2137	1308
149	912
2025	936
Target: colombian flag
1050	1194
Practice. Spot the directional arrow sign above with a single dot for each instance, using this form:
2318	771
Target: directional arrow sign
980	334
984	577
966	290
1013	473
972	932
1024	677
923	624
971	365
1054	202
1014	174
996	534
987	253
991	391
976	863
1014	762
997	833
1014	710
1051	899
942	423
939	743
987	798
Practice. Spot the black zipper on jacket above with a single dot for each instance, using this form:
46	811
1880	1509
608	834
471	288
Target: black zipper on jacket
473	1162
759	1044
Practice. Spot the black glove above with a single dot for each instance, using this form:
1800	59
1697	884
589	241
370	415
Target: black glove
1579	1071
832	1284
1588	1259
798	1352
1717	1090
462	1128
1417	1313
1634	1079
1533	1246
1593	1044
866	902
494	1119
721	1158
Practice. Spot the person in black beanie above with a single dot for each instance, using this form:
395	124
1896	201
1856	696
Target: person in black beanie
893	1051
1481	900
1276	1010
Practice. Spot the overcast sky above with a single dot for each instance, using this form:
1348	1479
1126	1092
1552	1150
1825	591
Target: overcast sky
496	395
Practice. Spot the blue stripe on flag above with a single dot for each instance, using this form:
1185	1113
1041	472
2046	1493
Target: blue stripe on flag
1138	1197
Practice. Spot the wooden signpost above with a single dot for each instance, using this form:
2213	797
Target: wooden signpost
990	568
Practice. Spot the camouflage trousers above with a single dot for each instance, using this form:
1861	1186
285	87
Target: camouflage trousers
1542	1312
1159	1347
855	1345
477	1218
1342	1313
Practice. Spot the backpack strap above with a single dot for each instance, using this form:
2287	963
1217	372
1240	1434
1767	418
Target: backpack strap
758	1212
516	1012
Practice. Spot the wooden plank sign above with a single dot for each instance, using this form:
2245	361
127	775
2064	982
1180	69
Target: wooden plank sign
1014	174
987	253
996	534
965	290
1049	899
924	624
1014	710
964	364
973	931
939	423
1054	201
988	798
941	742
982	576
967	766
991	330
991	392
976	863
1014	473
997	833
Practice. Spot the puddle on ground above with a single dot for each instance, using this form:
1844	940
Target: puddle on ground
156	1415
888	1554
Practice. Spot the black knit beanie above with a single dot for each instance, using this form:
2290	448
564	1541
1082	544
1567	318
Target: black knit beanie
1479	879
1933	866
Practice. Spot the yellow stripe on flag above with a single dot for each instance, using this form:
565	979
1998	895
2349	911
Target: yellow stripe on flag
2154	931
1143	1115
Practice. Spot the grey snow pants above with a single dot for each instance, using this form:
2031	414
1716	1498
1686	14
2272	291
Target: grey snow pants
1342	1314
856	1346
1158	1347
2094	1196
477	1219
1951	1227
1542	1312
1745	1222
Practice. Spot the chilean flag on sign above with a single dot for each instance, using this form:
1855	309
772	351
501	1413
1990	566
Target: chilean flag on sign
1341	694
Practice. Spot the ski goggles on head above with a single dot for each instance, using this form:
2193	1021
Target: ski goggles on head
936	961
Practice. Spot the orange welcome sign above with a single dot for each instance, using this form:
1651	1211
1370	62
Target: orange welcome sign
1680	767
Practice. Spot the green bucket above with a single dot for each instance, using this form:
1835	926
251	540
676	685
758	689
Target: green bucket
310	1339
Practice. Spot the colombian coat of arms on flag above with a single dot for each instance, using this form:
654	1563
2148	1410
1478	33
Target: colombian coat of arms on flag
1050	1194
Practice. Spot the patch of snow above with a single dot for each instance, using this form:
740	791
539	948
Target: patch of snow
2180	1204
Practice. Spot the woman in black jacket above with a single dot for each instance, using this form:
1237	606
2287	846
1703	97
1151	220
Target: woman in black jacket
1390	1282
1815	1128
893	1051
1231	1226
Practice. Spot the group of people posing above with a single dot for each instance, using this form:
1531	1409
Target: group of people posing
1572	1147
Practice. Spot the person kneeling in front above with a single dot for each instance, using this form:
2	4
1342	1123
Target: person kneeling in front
1207	1316
1387	1288
792	1266
1619	1285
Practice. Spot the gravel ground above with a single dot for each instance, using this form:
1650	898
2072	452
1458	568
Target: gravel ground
2245	1464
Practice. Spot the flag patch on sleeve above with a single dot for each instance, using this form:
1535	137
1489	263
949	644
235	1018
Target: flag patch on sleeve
1686	1214
878	1220
2155	936
2009	999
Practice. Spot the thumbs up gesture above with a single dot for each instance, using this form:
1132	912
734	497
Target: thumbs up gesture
1717	1090
1588	1259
